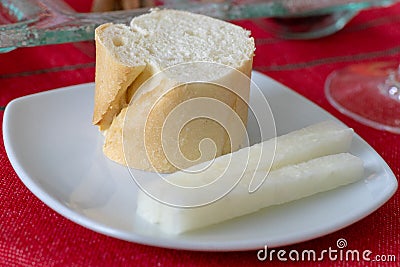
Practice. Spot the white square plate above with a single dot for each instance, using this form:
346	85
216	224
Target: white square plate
57	154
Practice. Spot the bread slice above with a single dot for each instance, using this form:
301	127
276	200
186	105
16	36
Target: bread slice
145	70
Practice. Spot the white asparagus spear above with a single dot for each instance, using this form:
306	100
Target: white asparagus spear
302	145
321	139
282	185
298	146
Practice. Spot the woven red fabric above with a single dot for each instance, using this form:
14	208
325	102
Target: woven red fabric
31	234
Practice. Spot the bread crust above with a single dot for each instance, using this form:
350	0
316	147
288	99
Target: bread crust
112	80
135	135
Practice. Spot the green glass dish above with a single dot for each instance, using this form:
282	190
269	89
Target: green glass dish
26	23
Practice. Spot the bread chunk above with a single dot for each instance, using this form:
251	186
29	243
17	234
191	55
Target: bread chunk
131	106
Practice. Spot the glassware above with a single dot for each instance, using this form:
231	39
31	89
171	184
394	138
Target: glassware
38	22
369	93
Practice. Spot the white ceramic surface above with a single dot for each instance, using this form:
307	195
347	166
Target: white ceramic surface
57	154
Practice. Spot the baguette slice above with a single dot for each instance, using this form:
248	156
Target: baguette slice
128	56
282	185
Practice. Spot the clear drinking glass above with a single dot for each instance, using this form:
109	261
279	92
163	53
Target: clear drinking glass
369	93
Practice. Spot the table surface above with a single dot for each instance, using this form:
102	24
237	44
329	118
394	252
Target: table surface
31	234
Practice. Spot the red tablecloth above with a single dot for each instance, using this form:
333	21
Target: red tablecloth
31	234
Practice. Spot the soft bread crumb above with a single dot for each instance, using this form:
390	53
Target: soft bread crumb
169	37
